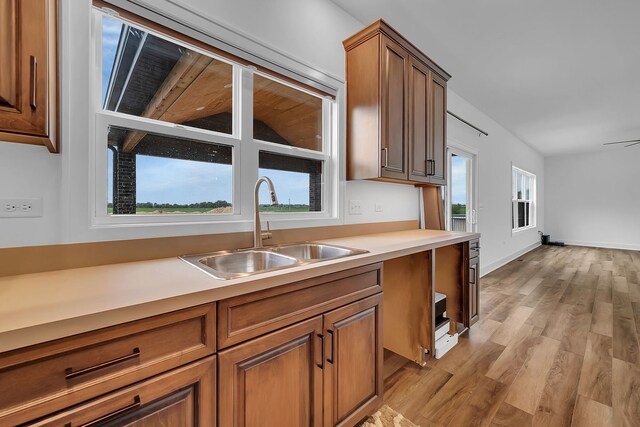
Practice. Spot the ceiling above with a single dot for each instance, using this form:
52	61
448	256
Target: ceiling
564	76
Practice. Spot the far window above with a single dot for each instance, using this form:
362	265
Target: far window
523	205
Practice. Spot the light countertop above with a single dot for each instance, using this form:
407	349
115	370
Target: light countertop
39	307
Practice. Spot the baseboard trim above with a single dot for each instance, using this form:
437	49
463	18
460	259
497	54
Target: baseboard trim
484	270
605	245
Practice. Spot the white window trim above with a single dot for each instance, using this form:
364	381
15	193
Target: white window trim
533	208
245	154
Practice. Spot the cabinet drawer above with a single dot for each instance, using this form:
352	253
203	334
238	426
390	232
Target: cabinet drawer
248	316
41	379
184	396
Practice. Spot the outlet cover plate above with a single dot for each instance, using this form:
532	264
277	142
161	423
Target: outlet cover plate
21	208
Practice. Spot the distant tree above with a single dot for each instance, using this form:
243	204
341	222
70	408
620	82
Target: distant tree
458	209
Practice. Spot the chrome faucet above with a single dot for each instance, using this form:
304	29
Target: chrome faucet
258	235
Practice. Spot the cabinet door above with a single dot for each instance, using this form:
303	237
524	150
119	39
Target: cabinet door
473	301
275	380
28	89
394	126
184	397
472	294
419	121
353	362
438	144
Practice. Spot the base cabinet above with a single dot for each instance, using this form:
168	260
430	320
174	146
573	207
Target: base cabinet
353	380
471	294
184	397
275	380
325	371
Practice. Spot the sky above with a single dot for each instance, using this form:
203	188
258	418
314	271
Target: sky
161	180
458	180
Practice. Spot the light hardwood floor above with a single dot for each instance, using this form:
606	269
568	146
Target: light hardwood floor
557	345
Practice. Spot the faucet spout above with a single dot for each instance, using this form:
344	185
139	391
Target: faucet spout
258	235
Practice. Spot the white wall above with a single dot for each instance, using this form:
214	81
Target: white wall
593	199
310	32
496	154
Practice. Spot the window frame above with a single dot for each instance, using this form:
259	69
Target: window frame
245	148
521	174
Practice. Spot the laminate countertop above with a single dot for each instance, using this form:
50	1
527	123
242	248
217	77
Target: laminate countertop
39	307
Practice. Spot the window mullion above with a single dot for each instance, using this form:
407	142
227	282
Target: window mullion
246	171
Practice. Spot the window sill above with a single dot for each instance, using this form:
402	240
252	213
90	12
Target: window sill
522	229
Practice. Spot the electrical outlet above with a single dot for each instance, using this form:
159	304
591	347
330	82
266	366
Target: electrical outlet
20	208
355	207
378	207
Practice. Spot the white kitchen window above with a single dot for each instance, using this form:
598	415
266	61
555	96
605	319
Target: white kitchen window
523	199
182	134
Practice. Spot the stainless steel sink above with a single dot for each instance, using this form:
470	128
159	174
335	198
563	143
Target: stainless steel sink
245	262
316	251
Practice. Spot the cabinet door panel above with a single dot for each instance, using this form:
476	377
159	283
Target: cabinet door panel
28	72
393	109
438	152
419	122
275	380
9	81
353	356
474	294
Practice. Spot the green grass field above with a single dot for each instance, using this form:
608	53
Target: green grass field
280	208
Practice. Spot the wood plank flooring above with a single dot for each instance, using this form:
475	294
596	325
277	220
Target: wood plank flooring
557	345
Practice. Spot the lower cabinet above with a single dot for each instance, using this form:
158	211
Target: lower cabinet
473	302
275	380
325	371
353	371
184	397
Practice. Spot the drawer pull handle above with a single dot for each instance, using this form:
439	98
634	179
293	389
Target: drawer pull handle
321	364
135	404
333	345
70	374
33	87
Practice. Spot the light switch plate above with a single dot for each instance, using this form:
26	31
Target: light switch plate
355	207
21	208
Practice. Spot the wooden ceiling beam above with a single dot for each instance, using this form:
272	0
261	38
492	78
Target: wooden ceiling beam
187	69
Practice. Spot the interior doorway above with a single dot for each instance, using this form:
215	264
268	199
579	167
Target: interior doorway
461	194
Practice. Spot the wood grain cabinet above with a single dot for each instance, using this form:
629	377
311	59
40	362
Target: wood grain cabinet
325	370
29	72
471	291
46	378
396	109
184	397
353	359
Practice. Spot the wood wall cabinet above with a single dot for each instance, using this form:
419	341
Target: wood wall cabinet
29	72
396	109
325	370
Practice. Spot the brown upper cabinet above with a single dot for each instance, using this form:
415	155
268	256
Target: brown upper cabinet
29	72
396	109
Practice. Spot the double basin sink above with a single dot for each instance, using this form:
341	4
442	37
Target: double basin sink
245	262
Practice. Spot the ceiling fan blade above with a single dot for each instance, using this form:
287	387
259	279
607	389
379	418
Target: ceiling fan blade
631	145
621	142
